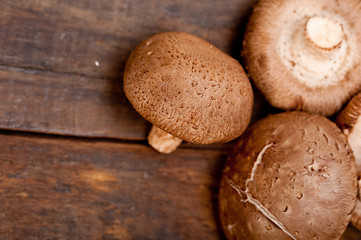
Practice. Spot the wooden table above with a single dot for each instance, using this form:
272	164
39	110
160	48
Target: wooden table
74	163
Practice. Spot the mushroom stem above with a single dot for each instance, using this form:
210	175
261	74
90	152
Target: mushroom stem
324	32
162	141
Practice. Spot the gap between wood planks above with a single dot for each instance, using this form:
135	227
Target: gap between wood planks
32	134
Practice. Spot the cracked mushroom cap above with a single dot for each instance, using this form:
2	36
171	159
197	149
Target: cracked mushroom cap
305	55
290	176
188	88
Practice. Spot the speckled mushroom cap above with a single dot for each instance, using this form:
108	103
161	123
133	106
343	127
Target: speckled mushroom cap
290	176
305	55
188	88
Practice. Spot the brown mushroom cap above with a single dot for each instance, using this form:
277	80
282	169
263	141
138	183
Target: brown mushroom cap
305	55
188	88
290	176
349	120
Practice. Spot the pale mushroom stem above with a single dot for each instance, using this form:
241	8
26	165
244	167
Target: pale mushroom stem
162	141
324	32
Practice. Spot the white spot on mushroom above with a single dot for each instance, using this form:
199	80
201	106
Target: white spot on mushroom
96	63
317	168
314	167
230	227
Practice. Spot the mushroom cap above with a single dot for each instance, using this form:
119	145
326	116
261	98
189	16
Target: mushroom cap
290	176
349	120
305	55
189	88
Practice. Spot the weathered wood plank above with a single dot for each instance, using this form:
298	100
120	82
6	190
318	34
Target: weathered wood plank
52	188
70	36
66	104
49	81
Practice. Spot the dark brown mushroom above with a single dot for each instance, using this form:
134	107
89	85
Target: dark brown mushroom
188	89
290	176
305	55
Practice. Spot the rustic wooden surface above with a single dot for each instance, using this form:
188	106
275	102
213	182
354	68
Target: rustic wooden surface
60	188
49	81
61	65
55	188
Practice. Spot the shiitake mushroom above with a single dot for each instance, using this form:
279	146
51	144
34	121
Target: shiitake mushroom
290	176
188	89
305	55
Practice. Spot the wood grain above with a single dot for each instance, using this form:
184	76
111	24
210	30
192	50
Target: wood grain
48	102
55	188
69	36
49	81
